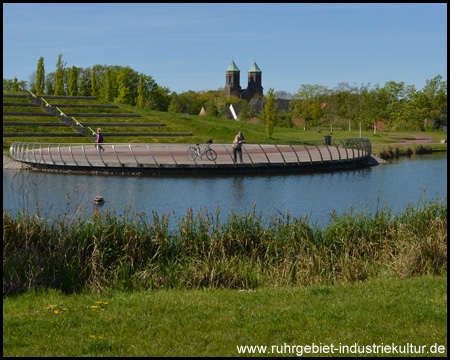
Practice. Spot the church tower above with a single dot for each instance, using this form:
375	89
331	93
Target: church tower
232	86
254	83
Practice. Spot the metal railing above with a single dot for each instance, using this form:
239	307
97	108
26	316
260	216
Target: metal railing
174	155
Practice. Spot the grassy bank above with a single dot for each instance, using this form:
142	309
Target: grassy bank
103	251
214	322
202	128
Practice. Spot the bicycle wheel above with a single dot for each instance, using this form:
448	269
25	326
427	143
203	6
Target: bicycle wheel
191	153
211	154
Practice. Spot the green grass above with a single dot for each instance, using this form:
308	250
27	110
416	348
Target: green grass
214	322
204	128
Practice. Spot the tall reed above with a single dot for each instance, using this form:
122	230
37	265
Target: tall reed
104	251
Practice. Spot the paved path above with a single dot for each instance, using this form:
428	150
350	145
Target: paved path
419	139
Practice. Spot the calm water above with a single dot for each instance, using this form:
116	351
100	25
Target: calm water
397	184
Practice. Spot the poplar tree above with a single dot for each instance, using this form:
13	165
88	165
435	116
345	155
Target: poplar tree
270	112
141	92
40	77
94	85
109	93
73	82
59	77
15	85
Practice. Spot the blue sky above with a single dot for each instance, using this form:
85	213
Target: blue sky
189	46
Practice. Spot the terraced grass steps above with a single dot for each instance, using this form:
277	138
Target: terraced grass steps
20	104
38	134
15	96
93	106
63	114
13	123
25	113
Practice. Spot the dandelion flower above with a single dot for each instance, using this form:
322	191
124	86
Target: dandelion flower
56	311
92	336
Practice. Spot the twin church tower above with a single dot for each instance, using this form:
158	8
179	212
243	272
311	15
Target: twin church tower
233	87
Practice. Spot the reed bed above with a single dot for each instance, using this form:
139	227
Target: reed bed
132	252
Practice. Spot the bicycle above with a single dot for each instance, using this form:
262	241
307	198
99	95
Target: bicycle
194	151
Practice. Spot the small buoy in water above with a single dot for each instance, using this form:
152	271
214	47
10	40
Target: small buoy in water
99	199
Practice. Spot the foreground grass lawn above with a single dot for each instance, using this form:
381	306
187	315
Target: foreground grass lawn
394	312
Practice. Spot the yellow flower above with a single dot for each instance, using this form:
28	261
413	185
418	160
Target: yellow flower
92	336
56	311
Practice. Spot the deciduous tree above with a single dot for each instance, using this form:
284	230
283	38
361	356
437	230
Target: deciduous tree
270	112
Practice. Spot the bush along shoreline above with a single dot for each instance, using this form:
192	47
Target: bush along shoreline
102	251
391	152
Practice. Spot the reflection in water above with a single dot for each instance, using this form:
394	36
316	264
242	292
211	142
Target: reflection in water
316	195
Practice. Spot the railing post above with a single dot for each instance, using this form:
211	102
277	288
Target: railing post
329	152
11	150
231	157
148	148
84	152
73	157
50	154
284	161
345	148
132	153
321	158
351	145
167	146
99	154
268	161
295	152
248	155
117	157
21	152
28	153
42	155
59	151
34	153
310	157
337	149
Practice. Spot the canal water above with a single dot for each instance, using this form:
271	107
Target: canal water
394	185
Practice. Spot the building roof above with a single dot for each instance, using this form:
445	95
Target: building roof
232	67
254	68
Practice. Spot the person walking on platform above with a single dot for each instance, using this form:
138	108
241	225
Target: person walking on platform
99	140
237	146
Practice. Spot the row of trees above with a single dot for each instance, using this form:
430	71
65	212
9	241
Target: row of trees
397	105
120	84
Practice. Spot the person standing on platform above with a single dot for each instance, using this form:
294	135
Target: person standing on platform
237	146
